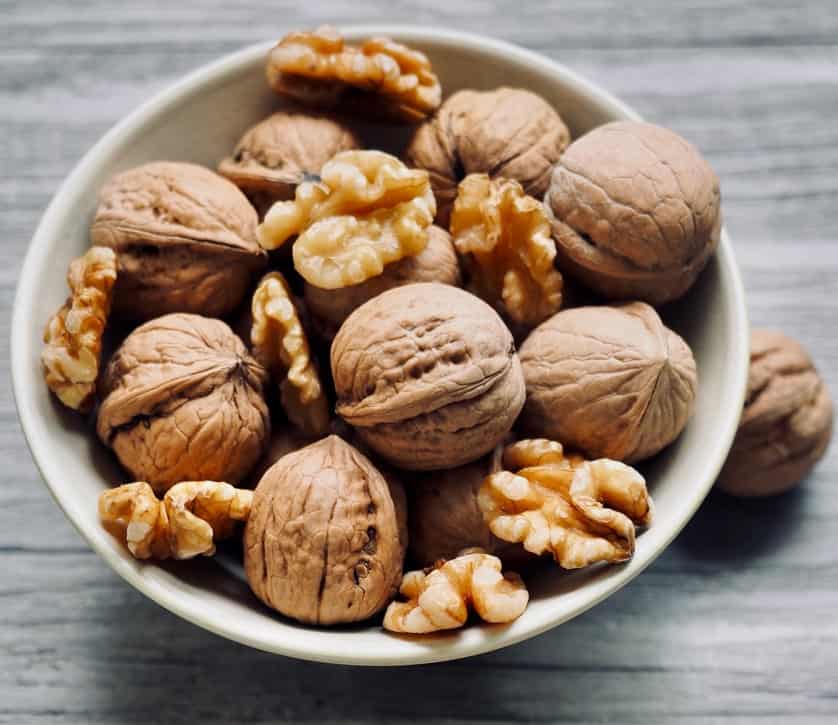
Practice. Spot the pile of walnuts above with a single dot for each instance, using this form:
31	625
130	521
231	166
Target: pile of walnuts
385	347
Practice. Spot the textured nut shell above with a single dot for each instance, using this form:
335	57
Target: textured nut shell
635	211
428	375
786	425
613	382
508	132
322	544
185	240
183	401
436	263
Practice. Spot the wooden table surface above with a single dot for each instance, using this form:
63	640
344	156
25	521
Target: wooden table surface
736	622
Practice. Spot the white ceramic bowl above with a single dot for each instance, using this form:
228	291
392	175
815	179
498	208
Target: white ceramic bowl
199	119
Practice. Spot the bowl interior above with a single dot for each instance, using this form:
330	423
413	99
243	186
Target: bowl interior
200	120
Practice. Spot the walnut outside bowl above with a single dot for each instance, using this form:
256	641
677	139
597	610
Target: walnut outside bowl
199	119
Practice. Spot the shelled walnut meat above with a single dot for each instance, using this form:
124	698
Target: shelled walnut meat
428	376
183	400
507	132
612	382
323	543
786	424
635	212
185	240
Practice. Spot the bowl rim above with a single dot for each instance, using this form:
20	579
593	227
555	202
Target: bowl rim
215	72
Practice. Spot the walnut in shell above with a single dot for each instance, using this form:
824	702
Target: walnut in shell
786	425
437	262
278	154
380	78
185	240
508	132
635	211
428	376
612	382
323	543
183	401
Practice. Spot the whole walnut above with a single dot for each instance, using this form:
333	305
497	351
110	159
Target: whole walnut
437	262
508	132
323	542
277	154
428	376
786	425
612	382
185	240
635	212
183	402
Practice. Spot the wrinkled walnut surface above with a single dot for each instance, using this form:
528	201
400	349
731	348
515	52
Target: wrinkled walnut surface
635	211
507	132
613	382
786	424
437	262
186	523
183	401
279	153
279	343
368	210
380	78
579	511
73	335
441	598
505	239
323	542
185	240
428	376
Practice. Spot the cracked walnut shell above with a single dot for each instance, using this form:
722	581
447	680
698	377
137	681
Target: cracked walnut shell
635	212
427	375
507	132
183	401
440	599
582	512
185	240
368	210
612	382
73	335
379	78
786	423
504	237
189	519
324	544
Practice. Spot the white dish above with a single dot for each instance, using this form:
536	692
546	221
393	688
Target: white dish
199	119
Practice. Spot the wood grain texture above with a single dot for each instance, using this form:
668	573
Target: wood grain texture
735	623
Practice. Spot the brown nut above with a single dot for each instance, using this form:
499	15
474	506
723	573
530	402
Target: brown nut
281	152
183	401
786	424
612	382
508	132
323	542
185	240
428	376
380	78
437	262
635	211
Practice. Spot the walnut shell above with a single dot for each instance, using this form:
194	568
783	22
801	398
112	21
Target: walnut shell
185	240
612	382
277	154
437	262
635	212
508	132
428	376
323	544
786	424
182	402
